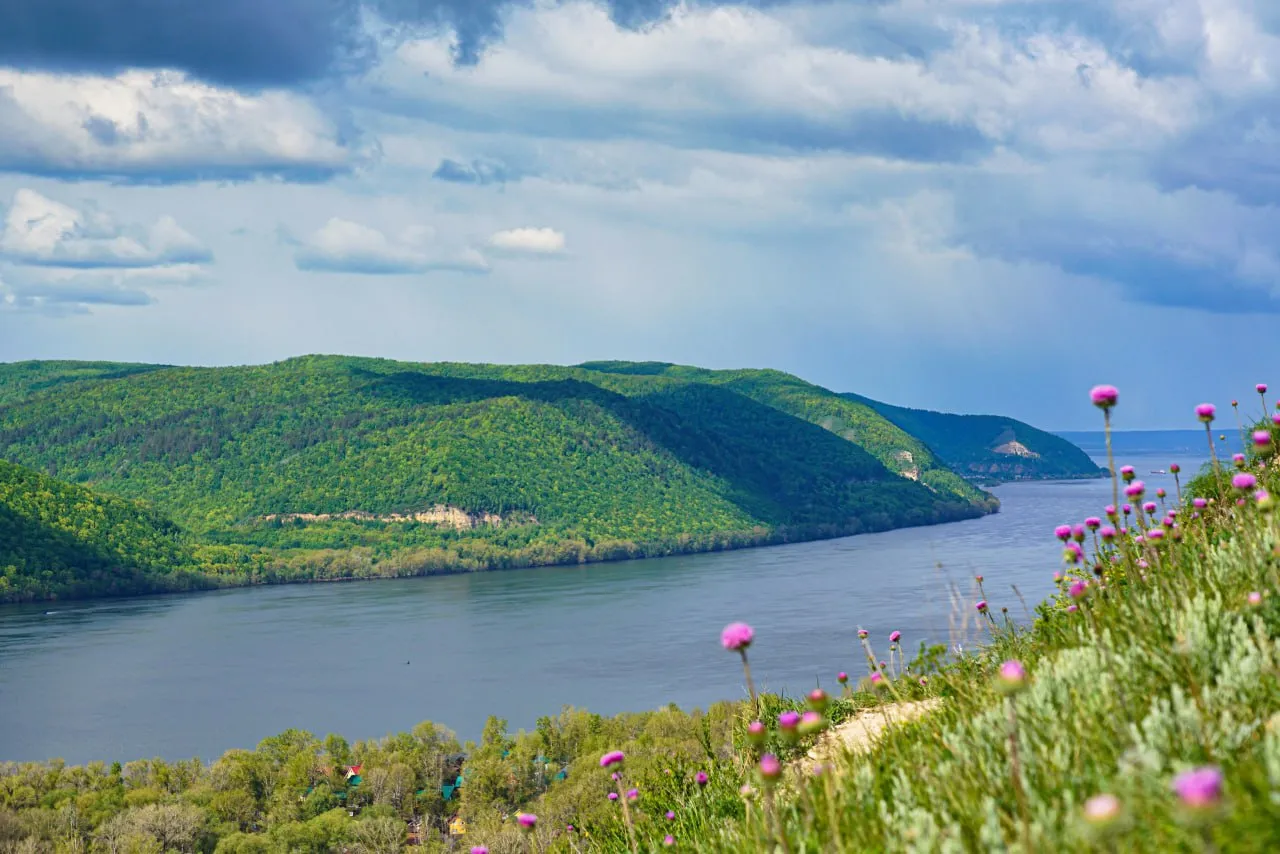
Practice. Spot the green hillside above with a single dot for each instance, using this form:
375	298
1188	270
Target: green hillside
521	465
58	540
989	447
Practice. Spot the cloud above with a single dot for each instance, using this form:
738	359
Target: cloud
162	126
475	172
528	241
342	246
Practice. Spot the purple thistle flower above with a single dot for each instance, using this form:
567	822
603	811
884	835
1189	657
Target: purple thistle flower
1262	438
1160	493
1255	598
924	680
527	820
756	731
1199	503
613	757
1104	396
1093	523
895	636
1261	388
1062	532
479	849
1238	460
770	767
862	634
1077	533
1078	589
1107	533
737	636
1205	412
1275	419
613	796
981	605
1011	676
788	720
1127	509
1101	809
1200	787
1174	468
877	678
1071	609
1110	511
1149	507
1127	473
701	778
1244	481
1135	489
632	794
818	698
616	776
1264	500
668	840
671	816
1155	534
842	677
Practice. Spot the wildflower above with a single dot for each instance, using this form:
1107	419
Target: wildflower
770	767
818	699
811	722
701	778
1264	499
1071	609
1062	532
1244	481
1104	396
1238	460
1160	493
877	679
1127	509
668	840
1199	788
895	636
1101	809
1205	412
1107	533
1135	489
978	578
746	791
613	757
1077	533
981	605
924	680
1261	388
1262	441
1078	589
527	820
1012	677
479	849
632	794
1149	507
1127	473
1093	523
1255	598
1275	419
613	796
862	634
1071	554
842	677
1199	503
1110	511
737	636
756	732
788	721
1174	468
671	816
1155	534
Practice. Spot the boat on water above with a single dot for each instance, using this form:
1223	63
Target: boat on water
1158	471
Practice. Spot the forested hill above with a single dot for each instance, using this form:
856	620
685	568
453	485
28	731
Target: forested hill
346	466
62	540
989	447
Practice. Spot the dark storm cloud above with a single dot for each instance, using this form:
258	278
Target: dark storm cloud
245	43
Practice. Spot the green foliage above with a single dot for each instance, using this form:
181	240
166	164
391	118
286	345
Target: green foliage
59	540
574	464
967	444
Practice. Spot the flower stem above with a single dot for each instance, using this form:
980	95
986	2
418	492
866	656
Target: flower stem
1111	460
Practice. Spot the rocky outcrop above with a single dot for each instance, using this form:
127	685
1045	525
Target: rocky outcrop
440	514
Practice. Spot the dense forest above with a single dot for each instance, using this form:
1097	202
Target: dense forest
989	448
332	467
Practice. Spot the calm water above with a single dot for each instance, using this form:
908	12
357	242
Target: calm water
184	676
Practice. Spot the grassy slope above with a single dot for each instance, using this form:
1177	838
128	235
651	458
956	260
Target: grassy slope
965	443
626	459
62	540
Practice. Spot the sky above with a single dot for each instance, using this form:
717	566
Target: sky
965	205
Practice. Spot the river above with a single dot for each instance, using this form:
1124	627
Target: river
196	675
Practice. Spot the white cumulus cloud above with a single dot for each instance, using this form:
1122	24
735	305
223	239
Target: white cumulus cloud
343	246
532	241
159	125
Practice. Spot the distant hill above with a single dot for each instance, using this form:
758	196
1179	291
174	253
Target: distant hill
341	466
989	448
62	541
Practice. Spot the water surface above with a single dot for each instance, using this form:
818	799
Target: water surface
195	675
